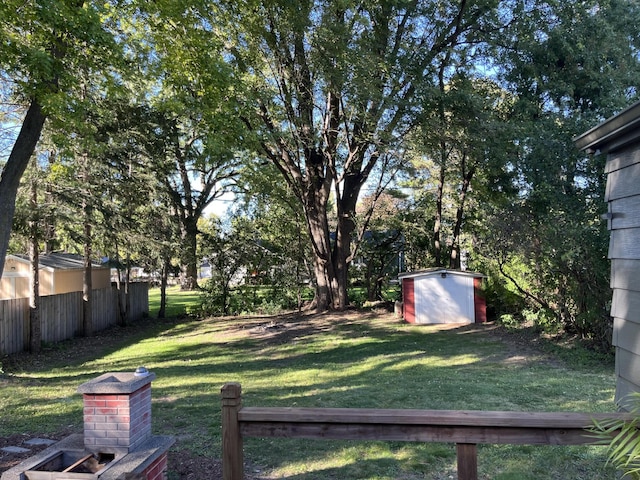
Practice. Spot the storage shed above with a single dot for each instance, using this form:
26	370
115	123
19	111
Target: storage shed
58	272
619	138
442	296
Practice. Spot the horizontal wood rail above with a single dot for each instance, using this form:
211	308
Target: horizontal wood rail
465	428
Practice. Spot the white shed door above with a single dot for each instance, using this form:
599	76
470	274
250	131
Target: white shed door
444	300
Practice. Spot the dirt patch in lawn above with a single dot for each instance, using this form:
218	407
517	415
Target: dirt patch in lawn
271	330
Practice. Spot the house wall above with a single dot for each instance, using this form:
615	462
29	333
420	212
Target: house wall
15	280
623	197
14	285
65	281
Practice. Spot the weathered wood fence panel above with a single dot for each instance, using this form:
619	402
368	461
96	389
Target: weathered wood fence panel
104	308
14	319
138	300
465	428
61	315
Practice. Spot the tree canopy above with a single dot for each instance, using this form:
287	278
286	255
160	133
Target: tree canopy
466	109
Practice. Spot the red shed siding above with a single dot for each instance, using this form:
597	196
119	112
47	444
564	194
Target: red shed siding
409	301
479	302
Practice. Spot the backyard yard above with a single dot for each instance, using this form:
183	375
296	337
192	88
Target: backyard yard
353	359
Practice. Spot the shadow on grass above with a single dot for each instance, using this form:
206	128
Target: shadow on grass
354	360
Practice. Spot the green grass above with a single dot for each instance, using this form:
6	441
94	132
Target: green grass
178	303
355	361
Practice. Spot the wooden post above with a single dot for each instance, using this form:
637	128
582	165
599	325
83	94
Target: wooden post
467	461
232	455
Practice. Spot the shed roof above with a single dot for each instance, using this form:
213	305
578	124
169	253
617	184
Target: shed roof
613	133
439	271
57	261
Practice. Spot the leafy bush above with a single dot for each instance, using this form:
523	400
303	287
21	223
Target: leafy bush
623	439
509	321
249	299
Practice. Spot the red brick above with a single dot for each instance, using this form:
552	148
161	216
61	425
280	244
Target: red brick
95	418
108	442
107	411
105	426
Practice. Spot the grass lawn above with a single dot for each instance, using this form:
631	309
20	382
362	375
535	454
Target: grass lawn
177	304
354	359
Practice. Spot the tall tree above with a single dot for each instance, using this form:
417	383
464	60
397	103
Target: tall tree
572	66
194	173
460	155
37	40
192	91
335	89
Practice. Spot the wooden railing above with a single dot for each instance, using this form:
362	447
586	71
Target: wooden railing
465	428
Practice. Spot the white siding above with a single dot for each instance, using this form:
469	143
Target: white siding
444	300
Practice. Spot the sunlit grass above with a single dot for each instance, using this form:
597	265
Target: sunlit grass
357	361
179	301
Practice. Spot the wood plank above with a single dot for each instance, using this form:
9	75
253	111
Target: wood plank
625	304
78	463
466	428
628	365
475	418
625	213
467	454
623	183
60	316
4	327
622	159
625	274
624	388
626	334
624	244
420	433
232	450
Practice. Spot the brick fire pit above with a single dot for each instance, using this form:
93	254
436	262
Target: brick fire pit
117	436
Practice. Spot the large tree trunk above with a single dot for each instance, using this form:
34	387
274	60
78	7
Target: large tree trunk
454	256
87	284
12	172
189	280
331	257
437	225
318	227
163	286
87	287
35	329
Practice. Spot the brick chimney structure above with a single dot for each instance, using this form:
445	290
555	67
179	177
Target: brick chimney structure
117	411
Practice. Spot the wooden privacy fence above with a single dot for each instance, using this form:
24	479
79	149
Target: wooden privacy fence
61	315
465	428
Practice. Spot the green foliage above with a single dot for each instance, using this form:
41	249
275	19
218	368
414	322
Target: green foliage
289	102
357	296
247	300
179	302
622	439
509	321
